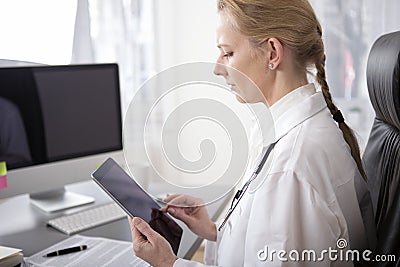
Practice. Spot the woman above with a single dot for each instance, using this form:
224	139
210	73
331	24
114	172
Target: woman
308	199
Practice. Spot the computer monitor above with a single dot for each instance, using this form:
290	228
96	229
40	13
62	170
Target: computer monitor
57	124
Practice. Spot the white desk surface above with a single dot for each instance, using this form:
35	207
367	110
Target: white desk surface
22	225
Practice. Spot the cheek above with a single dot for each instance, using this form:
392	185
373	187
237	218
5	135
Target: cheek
245	68
238	72
248	75
245	77
248	88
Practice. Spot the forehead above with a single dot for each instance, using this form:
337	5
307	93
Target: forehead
226	34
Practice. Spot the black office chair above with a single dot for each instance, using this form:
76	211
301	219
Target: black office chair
382	154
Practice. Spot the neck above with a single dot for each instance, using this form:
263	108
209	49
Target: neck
282	89
283	80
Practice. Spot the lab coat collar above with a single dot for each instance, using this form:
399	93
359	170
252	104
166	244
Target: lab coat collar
296	107
291	99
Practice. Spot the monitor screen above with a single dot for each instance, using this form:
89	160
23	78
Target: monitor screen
66	112
50	114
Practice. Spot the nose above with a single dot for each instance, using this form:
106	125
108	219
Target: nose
220	68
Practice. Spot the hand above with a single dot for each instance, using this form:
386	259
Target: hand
150	245
193	213
166	227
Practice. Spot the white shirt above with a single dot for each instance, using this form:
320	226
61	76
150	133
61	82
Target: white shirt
297	203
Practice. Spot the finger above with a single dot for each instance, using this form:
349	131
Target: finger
174	201
139	241
164	209
186	201
171	197
180	201
130	222
137	236
145	230
180	214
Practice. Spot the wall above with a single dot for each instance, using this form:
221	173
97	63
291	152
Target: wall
185	32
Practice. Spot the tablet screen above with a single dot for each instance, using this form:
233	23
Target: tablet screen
135	201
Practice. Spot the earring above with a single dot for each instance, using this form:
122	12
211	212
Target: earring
271	65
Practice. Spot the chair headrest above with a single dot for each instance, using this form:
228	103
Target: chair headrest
383	78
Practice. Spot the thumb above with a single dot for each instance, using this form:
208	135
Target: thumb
145	229
180	214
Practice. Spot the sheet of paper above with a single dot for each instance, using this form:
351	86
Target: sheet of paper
7	251
100	252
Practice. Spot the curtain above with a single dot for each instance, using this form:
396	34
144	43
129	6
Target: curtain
117	31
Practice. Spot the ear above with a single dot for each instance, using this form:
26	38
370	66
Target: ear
275	53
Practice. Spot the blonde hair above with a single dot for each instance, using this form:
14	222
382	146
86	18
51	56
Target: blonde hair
294	23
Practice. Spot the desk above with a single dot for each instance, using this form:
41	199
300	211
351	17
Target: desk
23	226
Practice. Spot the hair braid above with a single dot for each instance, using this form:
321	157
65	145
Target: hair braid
348	134
297	27
321	79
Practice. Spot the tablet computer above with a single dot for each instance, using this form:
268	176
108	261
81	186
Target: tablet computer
135	201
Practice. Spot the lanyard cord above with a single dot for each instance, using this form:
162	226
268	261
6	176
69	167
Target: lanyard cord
240	193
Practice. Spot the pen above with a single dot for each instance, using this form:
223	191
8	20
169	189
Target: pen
66	251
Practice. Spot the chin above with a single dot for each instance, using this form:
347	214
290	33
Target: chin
240	99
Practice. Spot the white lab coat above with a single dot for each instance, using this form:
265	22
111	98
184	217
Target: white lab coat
297	203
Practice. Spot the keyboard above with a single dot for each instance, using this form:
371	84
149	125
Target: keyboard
87	219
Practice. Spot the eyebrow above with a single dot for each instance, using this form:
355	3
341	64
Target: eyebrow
223	45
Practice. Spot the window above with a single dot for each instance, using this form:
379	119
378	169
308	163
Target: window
350	27
37	31
82	31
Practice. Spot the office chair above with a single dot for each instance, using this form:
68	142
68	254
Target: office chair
382	154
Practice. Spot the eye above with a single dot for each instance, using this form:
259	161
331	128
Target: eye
228	54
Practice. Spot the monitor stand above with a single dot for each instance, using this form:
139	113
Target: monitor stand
56	200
